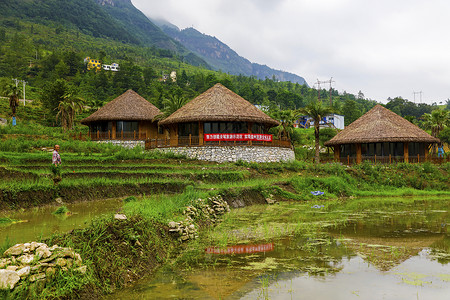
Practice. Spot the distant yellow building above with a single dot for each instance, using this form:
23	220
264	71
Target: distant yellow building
93	64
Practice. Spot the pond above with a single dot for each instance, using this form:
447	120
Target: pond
357	249
31	224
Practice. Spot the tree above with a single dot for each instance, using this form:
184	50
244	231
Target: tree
437	121
68	107
287	119
172	103
316	110
351	111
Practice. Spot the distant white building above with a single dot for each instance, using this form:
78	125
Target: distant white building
333	121
112	67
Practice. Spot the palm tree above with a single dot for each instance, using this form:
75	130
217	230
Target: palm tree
68	108
172	103
436	122
316	111
287	119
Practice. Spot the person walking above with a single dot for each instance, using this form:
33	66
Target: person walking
56	159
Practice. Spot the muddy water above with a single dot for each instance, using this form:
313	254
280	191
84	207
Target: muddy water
392	251
31	224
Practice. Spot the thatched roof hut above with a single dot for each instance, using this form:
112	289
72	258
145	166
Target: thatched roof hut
128	117
381	133
381	125
219	104
129	106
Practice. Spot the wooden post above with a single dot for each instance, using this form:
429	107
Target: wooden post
134	134
201	132
109	134
375	158
98	135
121	135
418	158
190	139
406	152
358	154
390	161
114	130
348	160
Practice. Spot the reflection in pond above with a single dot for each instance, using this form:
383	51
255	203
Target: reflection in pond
395	250
239	249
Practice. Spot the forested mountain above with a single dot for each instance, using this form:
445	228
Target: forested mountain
113	19
221	57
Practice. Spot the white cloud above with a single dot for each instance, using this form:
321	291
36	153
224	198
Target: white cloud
383	48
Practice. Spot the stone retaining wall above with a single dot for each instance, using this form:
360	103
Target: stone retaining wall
234	153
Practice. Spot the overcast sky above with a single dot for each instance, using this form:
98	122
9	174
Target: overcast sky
385	48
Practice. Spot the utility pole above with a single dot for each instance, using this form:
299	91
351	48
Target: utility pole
420	93
318	89
24	83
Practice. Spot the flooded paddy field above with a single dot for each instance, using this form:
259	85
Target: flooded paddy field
385	248
41	222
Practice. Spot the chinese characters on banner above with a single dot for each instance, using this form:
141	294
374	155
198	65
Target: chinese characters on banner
237	137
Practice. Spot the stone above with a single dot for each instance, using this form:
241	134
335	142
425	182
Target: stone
12	268
60	262
26	259
15	250
66	252
270	201
77	258
81	269
120	217
25	271
8	279
49	272
36	277
4	262
43	252
173	224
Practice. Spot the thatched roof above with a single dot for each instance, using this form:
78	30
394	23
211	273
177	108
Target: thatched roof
219	104
381	125
129	106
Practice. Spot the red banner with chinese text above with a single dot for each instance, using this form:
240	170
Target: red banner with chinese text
240	249
237	137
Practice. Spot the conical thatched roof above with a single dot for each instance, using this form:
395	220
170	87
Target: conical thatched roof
219	104
381	125
129	106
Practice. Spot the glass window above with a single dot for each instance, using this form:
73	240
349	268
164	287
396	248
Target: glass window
207	127
186	129
127	126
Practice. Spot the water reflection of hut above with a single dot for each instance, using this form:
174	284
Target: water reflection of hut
127	117
384	253
381	136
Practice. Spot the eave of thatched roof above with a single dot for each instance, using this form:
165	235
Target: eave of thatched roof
219	104
129	106
381	125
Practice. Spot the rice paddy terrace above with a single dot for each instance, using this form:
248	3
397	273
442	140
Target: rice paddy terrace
320	208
